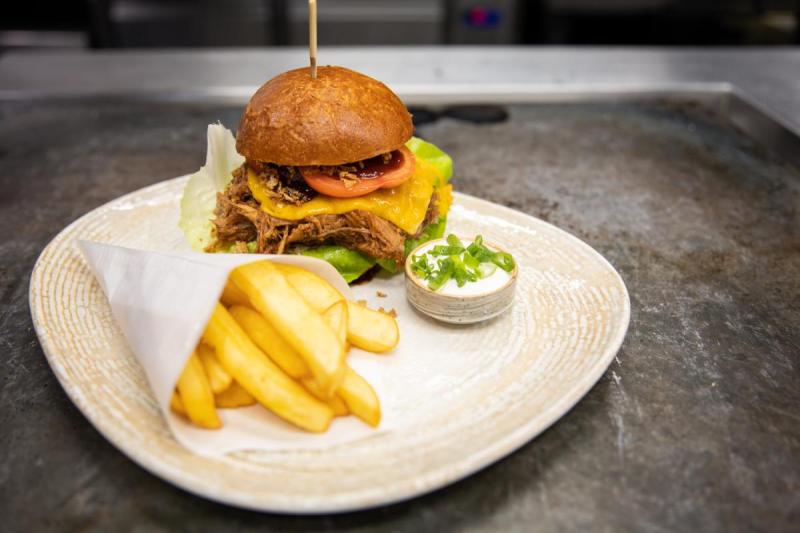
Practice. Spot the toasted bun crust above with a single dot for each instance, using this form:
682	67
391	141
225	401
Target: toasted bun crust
339	117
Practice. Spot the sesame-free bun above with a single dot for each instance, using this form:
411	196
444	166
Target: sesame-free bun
339	117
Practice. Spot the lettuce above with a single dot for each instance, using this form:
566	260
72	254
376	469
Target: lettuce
350	264
200	195
432	154
434	231
389	265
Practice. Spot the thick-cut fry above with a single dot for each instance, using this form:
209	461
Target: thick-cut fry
360	398
367	329
218	377
336	317
300	325
234	396
270	341
196	394
317	292
233	295
371	330
254	371
176	404
335	402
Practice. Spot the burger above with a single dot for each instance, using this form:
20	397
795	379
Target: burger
331	170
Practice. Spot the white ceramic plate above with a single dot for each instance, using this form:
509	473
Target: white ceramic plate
479	394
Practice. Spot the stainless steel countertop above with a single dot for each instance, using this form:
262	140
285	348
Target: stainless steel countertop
692	428
768	78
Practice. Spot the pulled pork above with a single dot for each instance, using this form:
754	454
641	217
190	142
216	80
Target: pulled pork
239	220
284	184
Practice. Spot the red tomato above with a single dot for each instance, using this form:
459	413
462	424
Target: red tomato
375	175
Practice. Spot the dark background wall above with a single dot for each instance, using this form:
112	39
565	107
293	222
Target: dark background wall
189	23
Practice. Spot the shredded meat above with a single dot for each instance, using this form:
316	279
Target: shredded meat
284	184
239	219
431	216
230	224
357	230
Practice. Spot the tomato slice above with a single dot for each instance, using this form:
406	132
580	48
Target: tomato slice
375	175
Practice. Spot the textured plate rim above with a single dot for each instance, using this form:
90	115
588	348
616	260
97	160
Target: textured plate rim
424	484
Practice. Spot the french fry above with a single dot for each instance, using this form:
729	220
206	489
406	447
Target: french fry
371	330
270	341
336	317
176	404
234	396
259	376
233	295
196	395
358	395
317	292
334	402
300	325
218	377
360	398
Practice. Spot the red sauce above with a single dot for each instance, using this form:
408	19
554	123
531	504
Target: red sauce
375	167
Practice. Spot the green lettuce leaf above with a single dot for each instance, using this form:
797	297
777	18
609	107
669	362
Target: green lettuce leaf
432	154
350	264
389	265
434	231
200	194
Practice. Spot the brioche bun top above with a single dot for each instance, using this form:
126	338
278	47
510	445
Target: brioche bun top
338	117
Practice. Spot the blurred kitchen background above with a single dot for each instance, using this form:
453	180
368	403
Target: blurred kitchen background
215	23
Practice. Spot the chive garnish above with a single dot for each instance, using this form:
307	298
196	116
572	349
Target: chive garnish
455	261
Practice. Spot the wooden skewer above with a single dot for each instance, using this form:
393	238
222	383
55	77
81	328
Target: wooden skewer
312	35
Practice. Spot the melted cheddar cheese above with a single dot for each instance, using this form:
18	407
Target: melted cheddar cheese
404	206
444	199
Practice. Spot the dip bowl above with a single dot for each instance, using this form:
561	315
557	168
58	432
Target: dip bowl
458	309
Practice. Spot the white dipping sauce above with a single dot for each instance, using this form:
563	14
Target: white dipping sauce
498	279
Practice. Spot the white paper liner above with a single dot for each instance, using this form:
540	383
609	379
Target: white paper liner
162	302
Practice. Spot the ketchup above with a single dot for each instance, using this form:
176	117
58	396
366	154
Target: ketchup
375	167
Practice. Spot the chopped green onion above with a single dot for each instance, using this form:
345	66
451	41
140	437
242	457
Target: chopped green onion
486	269
438	280
480	252
471	261
421	267
454	241
446	250
462	264
504	261
459	270
442	276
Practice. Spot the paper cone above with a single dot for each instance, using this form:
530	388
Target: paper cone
162	302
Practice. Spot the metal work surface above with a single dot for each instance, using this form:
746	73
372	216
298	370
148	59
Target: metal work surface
694	427
767	76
